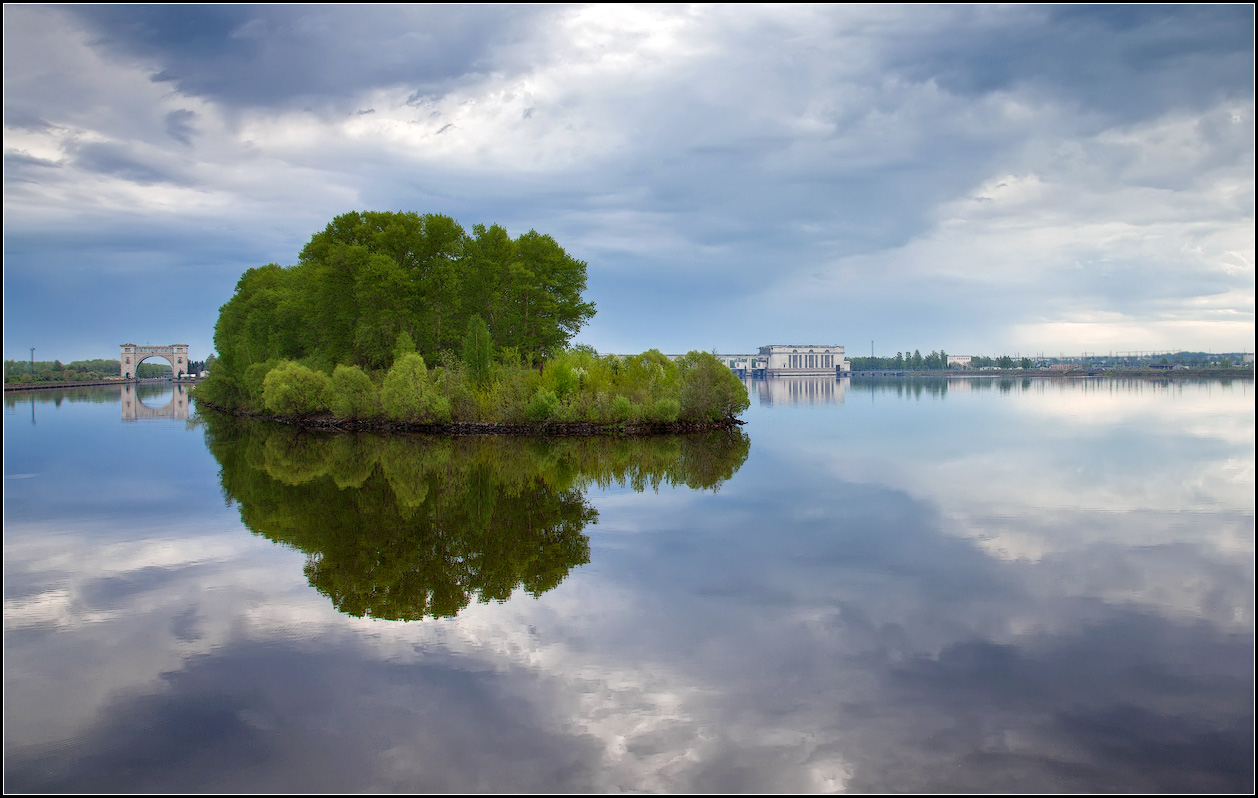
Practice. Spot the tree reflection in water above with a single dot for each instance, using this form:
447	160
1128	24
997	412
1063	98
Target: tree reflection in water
404	527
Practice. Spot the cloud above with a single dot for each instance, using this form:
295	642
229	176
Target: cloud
179	125
961	176
264	56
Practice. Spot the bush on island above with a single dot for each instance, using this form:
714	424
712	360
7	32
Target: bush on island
543	406
353	396
407	396
709	390
664	410
623	409
291	389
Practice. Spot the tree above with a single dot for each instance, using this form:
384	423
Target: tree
478	349
370	278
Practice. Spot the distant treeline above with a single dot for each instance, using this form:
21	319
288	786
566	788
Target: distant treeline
21	371
935	361
915	362
405	318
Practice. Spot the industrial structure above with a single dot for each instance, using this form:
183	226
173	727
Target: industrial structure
790	360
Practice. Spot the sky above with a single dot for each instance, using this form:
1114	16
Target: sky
976	179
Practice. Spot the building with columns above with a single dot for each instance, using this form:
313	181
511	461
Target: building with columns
784	360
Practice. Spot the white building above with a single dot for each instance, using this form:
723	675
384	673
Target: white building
798	359
960	361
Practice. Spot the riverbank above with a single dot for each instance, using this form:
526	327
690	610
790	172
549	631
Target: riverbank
43	386
546	429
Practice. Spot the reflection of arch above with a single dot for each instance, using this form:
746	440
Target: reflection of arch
130	356
135	410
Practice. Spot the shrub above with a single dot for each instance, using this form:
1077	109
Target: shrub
544	405
709	390
407	396
352	394
664	410
562	379
622	409
291	389
255	375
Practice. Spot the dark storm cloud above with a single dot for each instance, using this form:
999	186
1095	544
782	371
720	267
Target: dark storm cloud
258	56
22	119
1126	62
118	161
179	125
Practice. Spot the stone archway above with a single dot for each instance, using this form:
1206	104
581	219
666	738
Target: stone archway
131	356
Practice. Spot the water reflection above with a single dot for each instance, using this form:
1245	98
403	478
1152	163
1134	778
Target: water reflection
408	527
138	401
782	391
1044	589
143	402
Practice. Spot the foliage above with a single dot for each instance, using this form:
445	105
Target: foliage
372	285
543	406
352	394
23	371
407	395
478	349
377	296
291	389
709	390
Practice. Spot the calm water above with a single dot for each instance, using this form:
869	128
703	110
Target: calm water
1013	585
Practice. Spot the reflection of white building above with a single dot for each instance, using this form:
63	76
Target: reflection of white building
807	390
792	359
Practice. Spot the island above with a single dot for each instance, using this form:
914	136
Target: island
402	321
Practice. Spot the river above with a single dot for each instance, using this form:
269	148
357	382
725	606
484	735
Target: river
875	586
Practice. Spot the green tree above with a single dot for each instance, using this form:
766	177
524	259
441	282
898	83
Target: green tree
370	278
478	349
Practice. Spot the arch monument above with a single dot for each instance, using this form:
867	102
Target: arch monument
131	356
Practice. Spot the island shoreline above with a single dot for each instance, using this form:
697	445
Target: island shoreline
325	422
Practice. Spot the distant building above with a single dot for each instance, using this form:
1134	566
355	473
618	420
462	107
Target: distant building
960	361
798	359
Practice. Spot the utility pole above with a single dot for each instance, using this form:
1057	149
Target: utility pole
32	361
